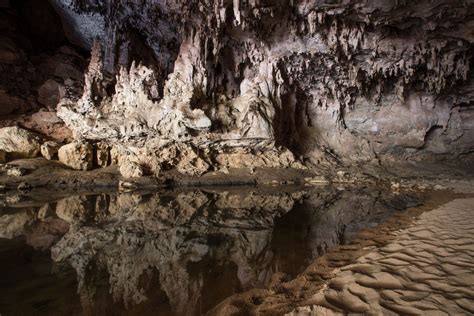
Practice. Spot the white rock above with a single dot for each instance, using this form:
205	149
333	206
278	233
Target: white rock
19	143
77	155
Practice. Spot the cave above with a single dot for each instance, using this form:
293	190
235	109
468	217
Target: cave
211	157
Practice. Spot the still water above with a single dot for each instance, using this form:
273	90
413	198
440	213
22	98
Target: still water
169	252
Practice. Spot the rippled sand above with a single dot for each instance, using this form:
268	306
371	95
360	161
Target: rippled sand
427	270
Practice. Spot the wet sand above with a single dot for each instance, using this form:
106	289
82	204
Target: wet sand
305	294
427	270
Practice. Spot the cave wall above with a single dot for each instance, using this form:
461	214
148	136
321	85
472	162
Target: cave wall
339	80
38	67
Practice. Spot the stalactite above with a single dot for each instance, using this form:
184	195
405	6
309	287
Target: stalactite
340	55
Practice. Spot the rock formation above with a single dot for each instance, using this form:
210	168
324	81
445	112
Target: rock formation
344	81
325	82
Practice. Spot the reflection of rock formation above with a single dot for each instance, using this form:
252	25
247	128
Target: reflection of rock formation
187	251
325	220
134	235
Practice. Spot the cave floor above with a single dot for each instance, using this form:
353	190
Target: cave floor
42	173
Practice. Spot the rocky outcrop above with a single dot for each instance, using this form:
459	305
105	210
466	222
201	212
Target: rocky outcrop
77	155
3	156
238	84
19	143
10	103
337	82
37	68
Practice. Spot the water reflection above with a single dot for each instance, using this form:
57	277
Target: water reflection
183	252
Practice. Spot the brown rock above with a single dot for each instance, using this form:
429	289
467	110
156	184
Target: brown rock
50	93
10	53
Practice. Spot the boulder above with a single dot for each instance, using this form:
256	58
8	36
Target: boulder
63	66
130	169
19	143
77	155
47	123
49	149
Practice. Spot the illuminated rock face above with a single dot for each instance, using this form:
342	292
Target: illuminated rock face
223	84
355	80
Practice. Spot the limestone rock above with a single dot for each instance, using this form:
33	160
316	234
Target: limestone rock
49	149
130	169
12	225
19	143
325	79
23	187
190	163
77	155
